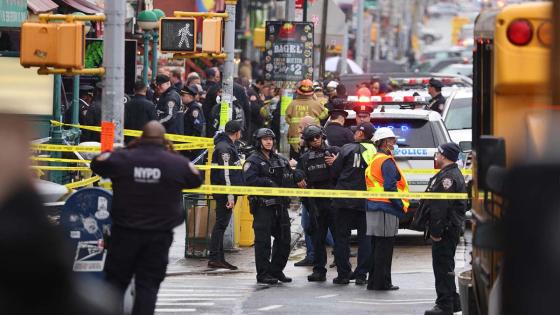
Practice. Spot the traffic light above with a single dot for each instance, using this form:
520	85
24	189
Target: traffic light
212	35
59	45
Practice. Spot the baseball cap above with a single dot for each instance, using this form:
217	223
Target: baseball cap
366	127
161	79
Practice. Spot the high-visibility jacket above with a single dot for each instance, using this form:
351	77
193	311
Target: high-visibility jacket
374	179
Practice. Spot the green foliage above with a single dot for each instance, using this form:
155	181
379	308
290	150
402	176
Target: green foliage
94	54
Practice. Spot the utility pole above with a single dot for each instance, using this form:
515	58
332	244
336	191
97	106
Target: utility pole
112	109
229	47
323	55
290	10
344	54
360	35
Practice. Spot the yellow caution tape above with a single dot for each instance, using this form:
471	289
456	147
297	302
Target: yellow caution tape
318	193
60	168
64	148
83	183
138	133
191	146
47	159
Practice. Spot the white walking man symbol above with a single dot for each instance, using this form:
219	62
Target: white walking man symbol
184	32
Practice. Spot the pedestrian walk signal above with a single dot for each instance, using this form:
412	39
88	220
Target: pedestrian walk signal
177	35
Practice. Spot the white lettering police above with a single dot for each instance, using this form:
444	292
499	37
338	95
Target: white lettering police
411	152
147	175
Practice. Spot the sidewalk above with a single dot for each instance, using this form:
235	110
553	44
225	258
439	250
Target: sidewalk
243	257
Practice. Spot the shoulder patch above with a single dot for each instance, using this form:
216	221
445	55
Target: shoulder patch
171	104
447	183
103	156
195	113
246	166
225	157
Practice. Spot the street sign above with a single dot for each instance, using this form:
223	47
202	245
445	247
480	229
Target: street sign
288	51
177	35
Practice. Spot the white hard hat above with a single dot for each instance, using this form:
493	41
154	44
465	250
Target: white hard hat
332	85
383	133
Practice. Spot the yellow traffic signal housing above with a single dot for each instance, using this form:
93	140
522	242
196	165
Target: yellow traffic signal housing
212	35
259	37
59	45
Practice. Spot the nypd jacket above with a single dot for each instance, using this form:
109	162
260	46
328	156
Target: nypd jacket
168	108
446	213
147	182
317	173
350	166
226	154
437	103
338	135
194	122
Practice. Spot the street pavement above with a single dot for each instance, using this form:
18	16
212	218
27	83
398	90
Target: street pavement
227	292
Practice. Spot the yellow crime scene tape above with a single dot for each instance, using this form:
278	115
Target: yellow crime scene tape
83	183
60	168
76	148
47	159
318	193
138	133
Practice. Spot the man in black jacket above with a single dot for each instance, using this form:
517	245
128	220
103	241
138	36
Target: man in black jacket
194	121
139	110
445	222
337	134
168	105
350	165
225	154
147	182
437	103
265	168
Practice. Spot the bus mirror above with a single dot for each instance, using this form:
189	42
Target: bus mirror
491	151
466	146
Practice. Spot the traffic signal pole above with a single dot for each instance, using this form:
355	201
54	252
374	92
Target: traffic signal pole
112	109
229	47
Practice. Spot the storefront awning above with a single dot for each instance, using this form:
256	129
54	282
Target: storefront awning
84	6
41	6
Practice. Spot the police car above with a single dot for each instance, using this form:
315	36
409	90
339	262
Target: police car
419	133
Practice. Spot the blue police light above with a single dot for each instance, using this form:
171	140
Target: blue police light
401	139
401	127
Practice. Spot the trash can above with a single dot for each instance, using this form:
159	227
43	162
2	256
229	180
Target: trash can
199	221
246	233
466	293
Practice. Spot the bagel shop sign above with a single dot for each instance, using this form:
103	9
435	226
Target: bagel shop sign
288	55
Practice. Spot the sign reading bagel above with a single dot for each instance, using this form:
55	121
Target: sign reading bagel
288	51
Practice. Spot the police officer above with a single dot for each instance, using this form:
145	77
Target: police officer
363	107
265	168
446	219
437	102
168	105
86	97
350	165
147	182
194	121
226	154
338	135
383	214
316	165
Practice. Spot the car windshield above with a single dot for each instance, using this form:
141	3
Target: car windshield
459	114
411	133
458	69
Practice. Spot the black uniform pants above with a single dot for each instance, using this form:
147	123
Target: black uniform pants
271	221
381	261
223	216
443	260
142	254
345	219
325	220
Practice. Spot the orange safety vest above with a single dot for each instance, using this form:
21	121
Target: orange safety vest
374	179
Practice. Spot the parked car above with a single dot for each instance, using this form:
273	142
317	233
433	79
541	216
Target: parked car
465	69
457	115
440	64
428	35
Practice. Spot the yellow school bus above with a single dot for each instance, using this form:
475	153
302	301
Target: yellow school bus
511	83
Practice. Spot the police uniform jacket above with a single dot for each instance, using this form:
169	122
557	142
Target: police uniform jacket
350	167
338	135
273	172
194	120
446	213
168	108
317	173
147	182
437	103
225	153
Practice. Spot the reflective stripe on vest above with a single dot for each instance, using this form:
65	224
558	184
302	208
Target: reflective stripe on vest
374	179
369	152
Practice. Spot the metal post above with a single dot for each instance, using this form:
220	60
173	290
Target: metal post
146	56
344	55
360	35
290	10
378	27
155	37
56	131
304	10
76	100
229	47
323	40
112	109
